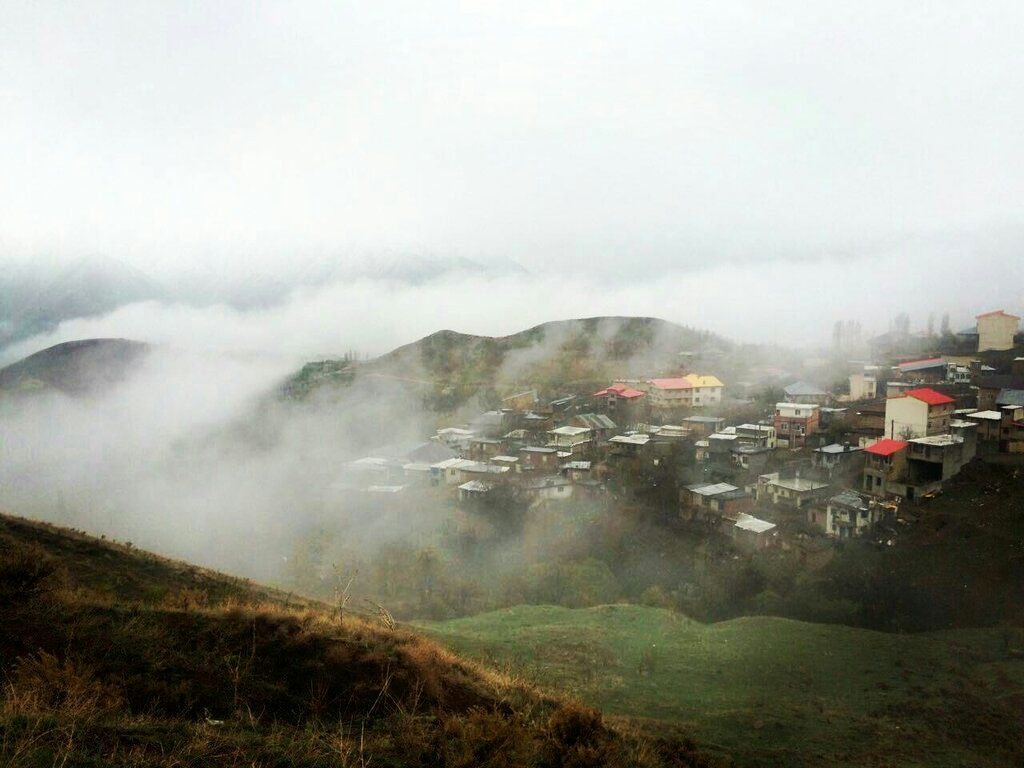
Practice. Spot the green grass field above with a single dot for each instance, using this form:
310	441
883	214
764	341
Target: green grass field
773	691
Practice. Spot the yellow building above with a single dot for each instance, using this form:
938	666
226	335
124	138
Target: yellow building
996	330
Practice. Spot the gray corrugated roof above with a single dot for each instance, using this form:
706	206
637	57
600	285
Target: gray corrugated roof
1010	397
799	388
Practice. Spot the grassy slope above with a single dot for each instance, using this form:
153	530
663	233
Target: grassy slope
111	656
773	691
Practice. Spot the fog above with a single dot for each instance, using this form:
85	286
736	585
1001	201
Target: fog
757	173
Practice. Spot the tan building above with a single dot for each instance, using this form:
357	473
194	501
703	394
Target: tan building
691	391
863	386
996	330
918	413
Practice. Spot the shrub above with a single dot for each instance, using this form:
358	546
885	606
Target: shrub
26	575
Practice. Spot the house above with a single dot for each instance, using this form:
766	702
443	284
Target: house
932	460
690	391
702	426
751	457
449	471
576	470
988	425
521	401
793	492
489	424
805	392
666	394
571	439
896	388
474	489
794	423
483	448
996	330
1011	429
707	390
1011	397
710	501
549	488
863	386
534	458
990	386
751	533
476	470
849	514
622	401
758	435
918	413
869	418
600	425
419	473
456	438
837	458
885	466
930	370
629	444
512	462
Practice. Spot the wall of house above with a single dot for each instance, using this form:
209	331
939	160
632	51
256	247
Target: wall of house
863	387
905	417
996	332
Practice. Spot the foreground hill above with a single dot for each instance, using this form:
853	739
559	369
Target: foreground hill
74	367
774	691
448	367
110	656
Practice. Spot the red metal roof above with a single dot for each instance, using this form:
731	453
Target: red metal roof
620	390
677	383
886	447
930	396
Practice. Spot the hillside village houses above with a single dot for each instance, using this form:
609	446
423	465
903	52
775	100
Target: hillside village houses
747	469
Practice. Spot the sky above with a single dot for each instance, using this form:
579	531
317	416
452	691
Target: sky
619	143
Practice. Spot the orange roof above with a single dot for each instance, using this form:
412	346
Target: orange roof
887	447
678	383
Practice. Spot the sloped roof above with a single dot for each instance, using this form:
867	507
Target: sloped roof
930	396
680	382
595	420
750	523
804	388
475	486
996	312
1010	397
703	380
921	365
886	447
619	390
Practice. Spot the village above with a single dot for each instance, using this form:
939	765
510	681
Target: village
813	462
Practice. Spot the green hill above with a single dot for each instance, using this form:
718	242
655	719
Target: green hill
111	656
447	368
773	691
74	367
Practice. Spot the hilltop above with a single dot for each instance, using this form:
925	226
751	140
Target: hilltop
74	367
115	656
773	691
448	368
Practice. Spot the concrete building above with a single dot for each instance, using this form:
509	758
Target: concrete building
791	492
805	392
752	533
863	386
794	423
848	515
885	467
690	391
918	413
759	435
996	330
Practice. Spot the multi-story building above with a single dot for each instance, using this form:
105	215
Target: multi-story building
863	386
996	330
690	391
885	467
918	413
794	423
